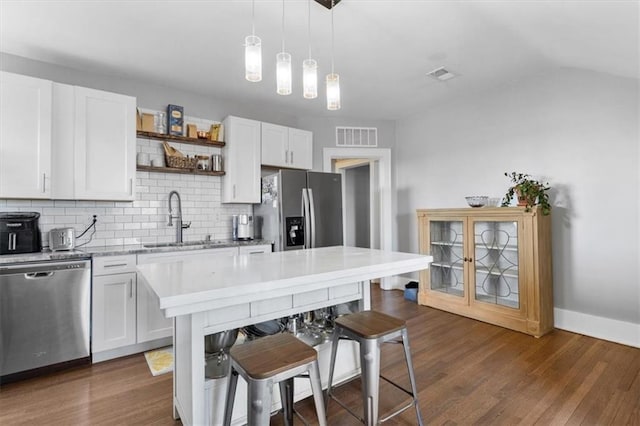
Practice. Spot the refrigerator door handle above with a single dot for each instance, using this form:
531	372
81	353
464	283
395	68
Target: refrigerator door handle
307	218
312	208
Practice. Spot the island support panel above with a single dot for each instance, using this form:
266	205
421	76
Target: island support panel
189	400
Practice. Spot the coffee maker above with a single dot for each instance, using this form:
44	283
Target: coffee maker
242	227
19	233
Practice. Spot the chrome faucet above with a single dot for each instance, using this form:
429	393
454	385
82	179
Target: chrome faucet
179	225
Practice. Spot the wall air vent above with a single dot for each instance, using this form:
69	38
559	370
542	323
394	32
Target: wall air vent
441	74
351	137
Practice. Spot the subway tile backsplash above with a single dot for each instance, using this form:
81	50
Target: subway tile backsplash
145	219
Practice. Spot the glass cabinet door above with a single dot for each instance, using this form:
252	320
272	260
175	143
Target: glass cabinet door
446	246
496	263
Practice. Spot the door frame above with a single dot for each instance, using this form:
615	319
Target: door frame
383	172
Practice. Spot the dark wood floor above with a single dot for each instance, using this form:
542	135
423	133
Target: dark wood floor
468	372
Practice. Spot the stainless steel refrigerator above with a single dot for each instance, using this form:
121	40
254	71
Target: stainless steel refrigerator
300	209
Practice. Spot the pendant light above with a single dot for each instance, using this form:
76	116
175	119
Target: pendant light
283	67
253	52
333	79
309	68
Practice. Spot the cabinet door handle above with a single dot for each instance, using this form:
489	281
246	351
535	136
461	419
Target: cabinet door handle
11	243
286	156
470	259
44	182
234	191
291	153
131	289
464	259
130	186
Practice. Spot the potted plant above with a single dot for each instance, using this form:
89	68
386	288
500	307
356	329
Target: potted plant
530	192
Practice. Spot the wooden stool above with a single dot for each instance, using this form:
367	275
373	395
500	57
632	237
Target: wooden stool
266	361
370	329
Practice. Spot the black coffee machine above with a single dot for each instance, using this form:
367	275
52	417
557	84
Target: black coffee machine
19	233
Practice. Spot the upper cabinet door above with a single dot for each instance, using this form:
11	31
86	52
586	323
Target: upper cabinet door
25	136
286	147
300	149
275	141
105	145
241	182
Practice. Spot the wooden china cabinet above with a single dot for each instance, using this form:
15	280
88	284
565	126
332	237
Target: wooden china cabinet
492	264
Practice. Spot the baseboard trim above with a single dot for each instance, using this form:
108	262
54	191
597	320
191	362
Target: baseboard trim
626	333
130	350
396	282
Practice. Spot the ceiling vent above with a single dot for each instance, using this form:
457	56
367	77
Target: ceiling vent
441	74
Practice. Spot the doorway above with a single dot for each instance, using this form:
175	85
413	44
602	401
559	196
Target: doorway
357	201
378	161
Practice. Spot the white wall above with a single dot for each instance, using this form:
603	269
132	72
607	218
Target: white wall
324	133
578	130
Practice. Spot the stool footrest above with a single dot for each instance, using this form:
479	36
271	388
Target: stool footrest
395	413
382	420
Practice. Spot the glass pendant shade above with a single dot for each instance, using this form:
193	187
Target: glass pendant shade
310	79
253	58
283	73
333	92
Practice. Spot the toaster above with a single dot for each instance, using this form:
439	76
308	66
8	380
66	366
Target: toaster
62	239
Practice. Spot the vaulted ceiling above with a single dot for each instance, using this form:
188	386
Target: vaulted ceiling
383	48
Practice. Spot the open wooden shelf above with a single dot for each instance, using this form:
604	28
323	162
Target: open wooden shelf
180	139
176	170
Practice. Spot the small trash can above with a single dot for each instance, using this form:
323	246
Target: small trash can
411	291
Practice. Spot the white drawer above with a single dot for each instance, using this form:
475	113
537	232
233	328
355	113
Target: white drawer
107	265
228	314
254	249
310	297
344	290
268	306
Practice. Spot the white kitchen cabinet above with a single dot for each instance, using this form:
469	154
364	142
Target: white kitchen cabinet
286	147
241	183
104	145
264	248
113	302
152	324
25	136
114	311
300	149
65	142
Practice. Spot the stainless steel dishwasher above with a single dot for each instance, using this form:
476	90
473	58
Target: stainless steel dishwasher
44	315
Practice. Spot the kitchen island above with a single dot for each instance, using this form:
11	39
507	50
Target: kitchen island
208	297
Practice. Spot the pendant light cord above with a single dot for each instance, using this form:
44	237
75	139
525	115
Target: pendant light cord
283	25
253	18
332	7
309	22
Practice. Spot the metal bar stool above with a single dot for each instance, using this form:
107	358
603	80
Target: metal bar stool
266	361
370	329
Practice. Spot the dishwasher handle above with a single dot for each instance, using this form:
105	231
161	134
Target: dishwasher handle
38	275
32	269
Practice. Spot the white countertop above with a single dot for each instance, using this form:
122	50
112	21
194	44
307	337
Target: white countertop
196	286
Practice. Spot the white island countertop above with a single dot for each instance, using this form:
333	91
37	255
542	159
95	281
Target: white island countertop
210	295
194	286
